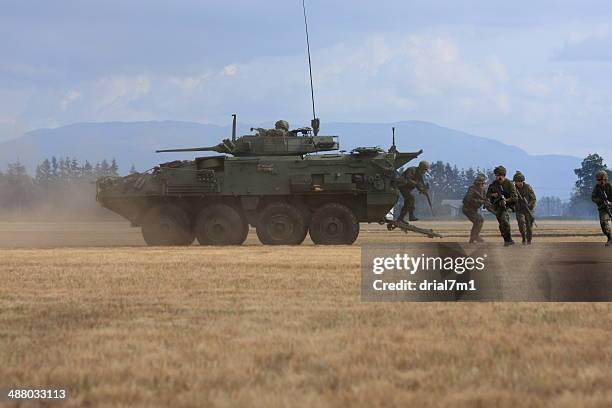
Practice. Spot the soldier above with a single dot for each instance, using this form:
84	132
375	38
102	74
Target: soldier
525	207
602	194
472	202
282	125
413	177
503	196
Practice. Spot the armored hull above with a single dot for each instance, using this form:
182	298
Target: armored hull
214	199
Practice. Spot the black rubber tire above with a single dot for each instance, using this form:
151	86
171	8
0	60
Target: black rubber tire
220	224
281	224
334	224
167	225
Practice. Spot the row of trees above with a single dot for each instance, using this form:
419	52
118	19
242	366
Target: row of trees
70	170
59	186
580	204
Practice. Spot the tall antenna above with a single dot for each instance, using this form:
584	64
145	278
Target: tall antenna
315	121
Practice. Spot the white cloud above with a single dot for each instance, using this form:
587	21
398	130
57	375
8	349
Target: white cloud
69	98
190	84
230	70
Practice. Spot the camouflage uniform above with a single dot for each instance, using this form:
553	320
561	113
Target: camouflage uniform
281	127
524	219
598	198
413	177
502	212
472	203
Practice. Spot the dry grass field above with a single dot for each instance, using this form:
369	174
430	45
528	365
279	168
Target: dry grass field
87	308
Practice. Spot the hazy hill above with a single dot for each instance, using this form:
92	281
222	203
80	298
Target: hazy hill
135	143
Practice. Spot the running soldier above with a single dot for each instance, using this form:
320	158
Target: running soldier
602	194
413	177
525	207
502	195
473	201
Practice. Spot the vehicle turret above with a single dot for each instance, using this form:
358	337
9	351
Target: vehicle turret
270	142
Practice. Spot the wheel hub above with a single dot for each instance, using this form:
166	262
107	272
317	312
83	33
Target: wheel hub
333	226
217	229
280	227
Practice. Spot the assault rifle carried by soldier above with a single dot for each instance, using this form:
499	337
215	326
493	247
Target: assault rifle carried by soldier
601	196
524	207
503	196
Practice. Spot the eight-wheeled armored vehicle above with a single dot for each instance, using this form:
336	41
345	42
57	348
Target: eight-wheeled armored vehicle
284	183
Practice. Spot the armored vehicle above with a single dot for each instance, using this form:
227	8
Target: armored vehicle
284	183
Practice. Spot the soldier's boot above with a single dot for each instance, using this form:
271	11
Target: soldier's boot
523	234
412	217
529	237
479	238
609	243
508	241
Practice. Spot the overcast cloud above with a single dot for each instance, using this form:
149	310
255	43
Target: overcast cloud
534	75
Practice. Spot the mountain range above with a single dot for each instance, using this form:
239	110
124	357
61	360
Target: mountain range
134	143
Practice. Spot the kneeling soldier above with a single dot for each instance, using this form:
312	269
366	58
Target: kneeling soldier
525	207
602	194
502	195
472	203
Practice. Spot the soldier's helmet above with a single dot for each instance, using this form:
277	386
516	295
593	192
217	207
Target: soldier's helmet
282	125
601	174
499	171
424	165
518	176
480	179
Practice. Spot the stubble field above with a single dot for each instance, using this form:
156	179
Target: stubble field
87	308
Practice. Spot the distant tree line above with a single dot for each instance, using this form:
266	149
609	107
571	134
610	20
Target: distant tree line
58	185
70	170
580	204
448	182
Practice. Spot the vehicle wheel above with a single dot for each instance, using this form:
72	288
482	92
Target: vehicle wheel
220	224
167	225
281	224
334	224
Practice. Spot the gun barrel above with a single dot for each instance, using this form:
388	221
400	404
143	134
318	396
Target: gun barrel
189	149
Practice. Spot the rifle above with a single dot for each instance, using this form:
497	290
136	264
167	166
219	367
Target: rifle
424	189
486	203
606	203
501	199
524	203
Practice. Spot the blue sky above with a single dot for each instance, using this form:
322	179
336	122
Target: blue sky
534	74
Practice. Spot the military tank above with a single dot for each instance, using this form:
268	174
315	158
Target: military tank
284	183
